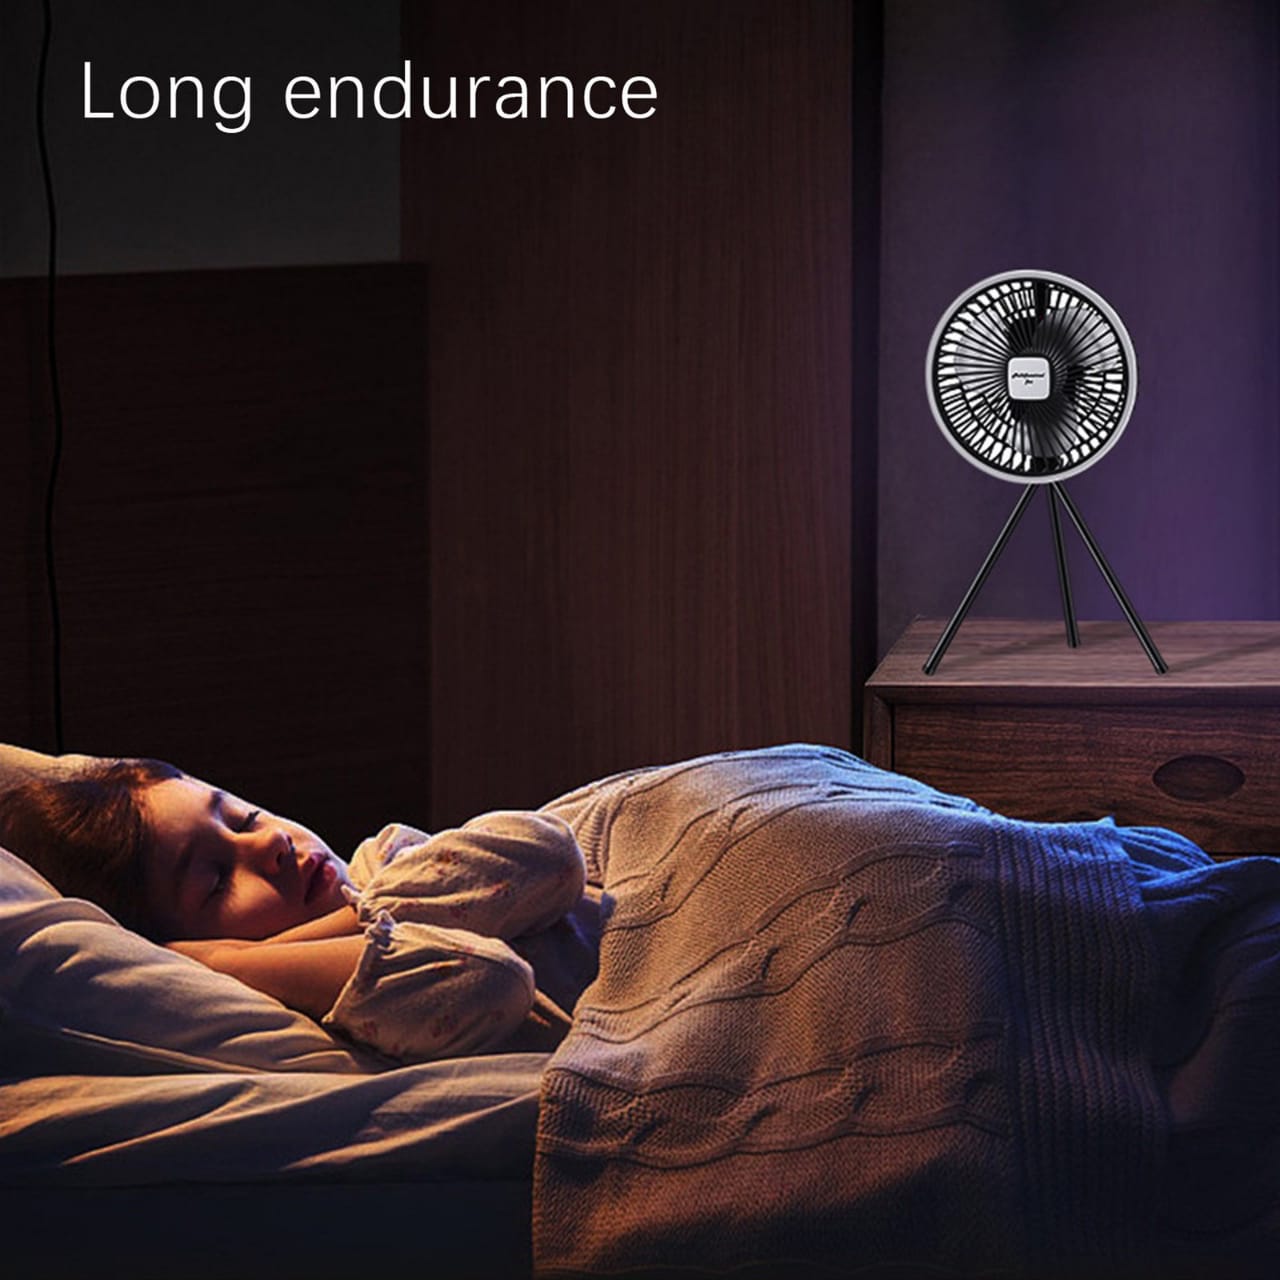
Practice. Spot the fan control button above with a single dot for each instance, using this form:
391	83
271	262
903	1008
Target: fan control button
1028	378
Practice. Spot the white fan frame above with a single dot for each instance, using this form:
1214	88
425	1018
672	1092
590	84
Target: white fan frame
1096	300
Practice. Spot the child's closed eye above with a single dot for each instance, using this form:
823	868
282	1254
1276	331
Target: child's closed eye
221	882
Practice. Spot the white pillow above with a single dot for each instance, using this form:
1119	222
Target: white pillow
80	994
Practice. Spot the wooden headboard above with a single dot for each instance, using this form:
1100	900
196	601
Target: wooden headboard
240	531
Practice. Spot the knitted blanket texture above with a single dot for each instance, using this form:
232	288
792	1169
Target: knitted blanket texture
845	1024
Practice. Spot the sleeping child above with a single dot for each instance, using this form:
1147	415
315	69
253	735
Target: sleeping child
427	946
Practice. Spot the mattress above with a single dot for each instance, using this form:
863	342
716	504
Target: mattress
270	1173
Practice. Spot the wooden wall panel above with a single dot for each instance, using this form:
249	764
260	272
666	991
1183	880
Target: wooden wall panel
24	649
241	531
640	392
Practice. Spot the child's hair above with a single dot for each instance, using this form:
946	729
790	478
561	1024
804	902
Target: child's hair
87	834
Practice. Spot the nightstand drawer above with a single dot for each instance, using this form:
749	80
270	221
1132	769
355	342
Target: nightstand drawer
1212	774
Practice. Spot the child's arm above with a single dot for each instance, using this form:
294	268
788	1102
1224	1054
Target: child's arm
305	975
504	874
337	923
412	991
304	967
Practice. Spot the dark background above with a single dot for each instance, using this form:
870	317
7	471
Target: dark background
411	472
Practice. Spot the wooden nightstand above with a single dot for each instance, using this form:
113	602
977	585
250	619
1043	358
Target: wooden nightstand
1033	729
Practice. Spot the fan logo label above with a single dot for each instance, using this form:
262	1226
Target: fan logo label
1028	378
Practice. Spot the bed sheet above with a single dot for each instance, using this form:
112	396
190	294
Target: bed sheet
459	1118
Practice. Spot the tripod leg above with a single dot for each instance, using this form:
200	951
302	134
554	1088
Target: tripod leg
931	665
1064	580
1112	581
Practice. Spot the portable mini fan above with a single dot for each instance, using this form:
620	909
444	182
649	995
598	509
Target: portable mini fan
1032	377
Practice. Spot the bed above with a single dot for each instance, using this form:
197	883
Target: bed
1056	1053
159	1120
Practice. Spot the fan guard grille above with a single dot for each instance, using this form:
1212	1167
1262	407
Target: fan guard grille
1092	376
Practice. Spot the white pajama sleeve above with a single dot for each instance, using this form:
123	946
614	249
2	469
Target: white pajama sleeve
373	854
421	992
504	874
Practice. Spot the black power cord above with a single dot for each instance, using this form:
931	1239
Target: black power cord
50	564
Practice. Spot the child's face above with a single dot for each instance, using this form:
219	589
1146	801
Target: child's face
223	869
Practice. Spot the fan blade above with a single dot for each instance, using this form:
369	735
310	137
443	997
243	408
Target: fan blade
1090	382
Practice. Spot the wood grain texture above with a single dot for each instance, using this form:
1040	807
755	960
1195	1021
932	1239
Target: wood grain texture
1035	730
1063	763
24	649
241	532
1016	660
640	393
877	731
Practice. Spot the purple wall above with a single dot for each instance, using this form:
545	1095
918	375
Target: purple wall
1132	145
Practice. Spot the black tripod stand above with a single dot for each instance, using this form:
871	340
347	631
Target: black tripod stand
1056	492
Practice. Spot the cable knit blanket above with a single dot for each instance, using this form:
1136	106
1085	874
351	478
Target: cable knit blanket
844	1024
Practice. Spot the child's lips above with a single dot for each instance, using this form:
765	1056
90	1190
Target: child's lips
319	874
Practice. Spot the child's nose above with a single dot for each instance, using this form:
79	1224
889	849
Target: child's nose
271	848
